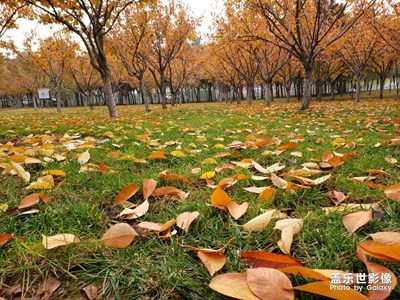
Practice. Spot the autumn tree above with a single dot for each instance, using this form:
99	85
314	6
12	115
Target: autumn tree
10	12
382	63
357	51
52	56
303	28
91	20
171	28
132	42
85	77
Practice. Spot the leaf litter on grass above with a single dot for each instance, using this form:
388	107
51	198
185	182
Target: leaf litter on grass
290	159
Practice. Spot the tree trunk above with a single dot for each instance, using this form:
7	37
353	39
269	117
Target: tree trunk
108	94
249	90
58	97
319	91
145	99
305	104
358	87
287	87
268	93
381	87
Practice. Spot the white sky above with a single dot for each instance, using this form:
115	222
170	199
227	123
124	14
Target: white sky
205	8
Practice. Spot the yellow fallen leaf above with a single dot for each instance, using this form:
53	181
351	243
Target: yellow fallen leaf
59	240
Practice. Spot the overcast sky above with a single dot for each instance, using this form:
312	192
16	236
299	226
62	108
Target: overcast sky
205	8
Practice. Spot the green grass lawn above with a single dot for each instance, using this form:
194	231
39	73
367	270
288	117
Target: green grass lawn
153	268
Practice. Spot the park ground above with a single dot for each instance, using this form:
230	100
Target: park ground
190	140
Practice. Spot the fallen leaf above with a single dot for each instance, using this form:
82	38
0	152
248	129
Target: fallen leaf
285	243
54	173
59	240
170	191
47	288
324	288
178	153
149	185
212	261
278	182
268	283
390	253
126	193
91	292
237	210
260	222
119	235
26	176
393	192
29	201
355	220
387	238
137	212
233	285
263	259
207	175
4	238
268	195
84	157
337	197
219	198
184	220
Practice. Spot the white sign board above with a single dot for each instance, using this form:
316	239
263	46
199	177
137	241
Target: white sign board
44	93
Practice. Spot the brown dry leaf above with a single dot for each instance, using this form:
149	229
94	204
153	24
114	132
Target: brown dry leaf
355	220
393	192
139	211
278	182
337	197
26	176
219	198
212	261
262	259
324	288
389	253
184	220
291	146
29	201
149	185
119	235
237	210
47	288
268	283
4	238
158	155
126	193
32	160
166	176
59	240
268	195
380	289
335	161
227	182
233	285
170	191
260	222
387	238
224	168
157	226
84	157
91	292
